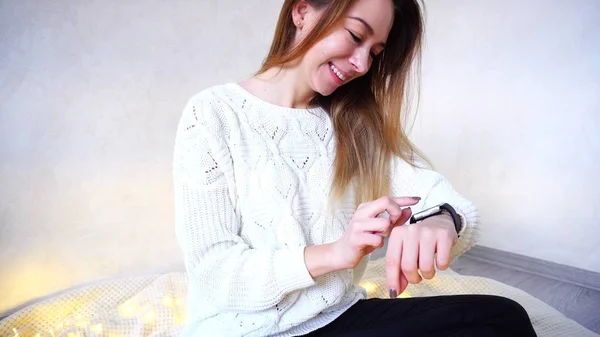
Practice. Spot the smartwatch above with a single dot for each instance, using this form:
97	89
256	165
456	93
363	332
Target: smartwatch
439	209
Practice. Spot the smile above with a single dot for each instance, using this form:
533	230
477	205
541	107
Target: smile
337	72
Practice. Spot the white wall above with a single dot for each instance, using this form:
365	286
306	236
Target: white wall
511	113
90	94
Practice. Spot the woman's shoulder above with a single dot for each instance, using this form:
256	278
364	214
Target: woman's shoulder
215	107
227	94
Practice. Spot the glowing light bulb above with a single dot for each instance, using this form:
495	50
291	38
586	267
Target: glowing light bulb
81	322
404	295
149	316
97	328
370	287
168	301
180	319
128	309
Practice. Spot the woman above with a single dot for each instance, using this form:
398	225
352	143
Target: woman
287	181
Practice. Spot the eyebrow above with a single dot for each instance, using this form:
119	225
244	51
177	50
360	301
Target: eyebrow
368	26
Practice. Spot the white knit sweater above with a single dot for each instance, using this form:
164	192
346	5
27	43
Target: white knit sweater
251	186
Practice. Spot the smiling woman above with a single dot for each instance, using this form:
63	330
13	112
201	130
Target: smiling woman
281	182
345	48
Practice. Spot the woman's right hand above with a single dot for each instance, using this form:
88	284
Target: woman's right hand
367	230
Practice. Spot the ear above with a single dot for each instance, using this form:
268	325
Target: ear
299	13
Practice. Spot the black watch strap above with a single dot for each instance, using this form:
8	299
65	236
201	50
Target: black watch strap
455	217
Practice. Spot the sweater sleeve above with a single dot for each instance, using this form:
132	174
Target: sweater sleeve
435	189
224	271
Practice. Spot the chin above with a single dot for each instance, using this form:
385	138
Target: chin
326	93
321	82
324	90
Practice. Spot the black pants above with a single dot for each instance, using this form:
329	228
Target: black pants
458	315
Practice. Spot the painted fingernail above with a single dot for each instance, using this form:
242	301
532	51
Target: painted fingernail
416	198
393	293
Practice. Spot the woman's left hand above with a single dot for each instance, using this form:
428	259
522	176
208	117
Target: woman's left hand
414	247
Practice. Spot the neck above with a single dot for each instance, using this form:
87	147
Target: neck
282	86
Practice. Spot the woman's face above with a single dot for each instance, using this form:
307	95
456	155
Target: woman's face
348	50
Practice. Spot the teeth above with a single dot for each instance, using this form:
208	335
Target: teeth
338	73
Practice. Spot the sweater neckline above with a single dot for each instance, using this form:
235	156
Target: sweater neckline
318	111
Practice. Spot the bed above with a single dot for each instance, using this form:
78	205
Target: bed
154	305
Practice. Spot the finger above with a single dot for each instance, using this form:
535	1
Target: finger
410	256
443	248
403	283
393	257
386	204
379	226
426	254
374	208
372	240
407	201
403	218
404	214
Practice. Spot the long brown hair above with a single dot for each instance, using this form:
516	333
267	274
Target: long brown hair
367	113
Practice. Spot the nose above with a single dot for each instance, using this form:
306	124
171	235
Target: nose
360	61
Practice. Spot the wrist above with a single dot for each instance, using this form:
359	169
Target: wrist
439	210
448	221
321	259
448	218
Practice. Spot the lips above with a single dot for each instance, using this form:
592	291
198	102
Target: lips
337	72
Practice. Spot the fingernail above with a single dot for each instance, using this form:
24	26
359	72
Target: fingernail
416	198
393	293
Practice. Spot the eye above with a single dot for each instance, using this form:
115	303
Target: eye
355	37
358	40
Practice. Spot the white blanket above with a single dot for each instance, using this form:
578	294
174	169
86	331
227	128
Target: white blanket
155	306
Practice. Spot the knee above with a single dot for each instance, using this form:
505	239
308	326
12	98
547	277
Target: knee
512	311
509	306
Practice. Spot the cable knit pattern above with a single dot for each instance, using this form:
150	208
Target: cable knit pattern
251	187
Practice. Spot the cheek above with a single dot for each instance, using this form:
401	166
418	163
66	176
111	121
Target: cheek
332	47
315	60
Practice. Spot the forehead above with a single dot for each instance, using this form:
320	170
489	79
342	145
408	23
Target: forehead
379	14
